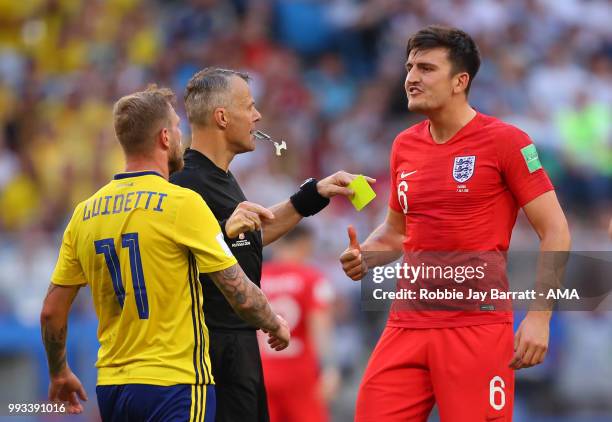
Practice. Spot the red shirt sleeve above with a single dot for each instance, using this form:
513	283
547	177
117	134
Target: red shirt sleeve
393	200
521	167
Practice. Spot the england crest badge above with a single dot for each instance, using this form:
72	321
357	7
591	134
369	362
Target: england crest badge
463	168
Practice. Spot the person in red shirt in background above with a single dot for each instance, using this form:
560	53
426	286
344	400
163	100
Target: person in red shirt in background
303	378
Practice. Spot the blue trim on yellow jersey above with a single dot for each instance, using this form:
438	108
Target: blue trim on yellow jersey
199	357
194	305
197	286
127	175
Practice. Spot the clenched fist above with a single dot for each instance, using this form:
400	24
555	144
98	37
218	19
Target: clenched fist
246	217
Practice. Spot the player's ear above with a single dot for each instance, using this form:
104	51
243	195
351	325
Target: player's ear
221	117
461	81
164	138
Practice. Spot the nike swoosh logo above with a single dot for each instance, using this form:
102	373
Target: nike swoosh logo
407	174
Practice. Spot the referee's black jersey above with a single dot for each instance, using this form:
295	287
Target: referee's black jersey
222	194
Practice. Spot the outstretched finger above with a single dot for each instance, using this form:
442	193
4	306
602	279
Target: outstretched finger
529	355
339	190
74	406
254	218
539	358
281	347
517	339
260	210
82	393
517	360
274	343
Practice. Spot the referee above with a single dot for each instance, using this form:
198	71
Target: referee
222	116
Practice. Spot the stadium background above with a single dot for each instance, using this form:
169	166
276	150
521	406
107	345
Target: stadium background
327	77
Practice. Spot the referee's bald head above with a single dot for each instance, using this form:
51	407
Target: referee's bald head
207	90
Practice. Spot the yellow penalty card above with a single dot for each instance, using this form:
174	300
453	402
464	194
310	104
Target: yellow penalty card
364	194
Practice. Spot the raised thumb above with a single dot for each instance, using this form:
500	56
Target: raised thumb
353	242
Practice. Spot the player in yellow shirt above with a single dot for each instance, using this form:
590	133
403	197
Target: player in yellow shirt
139	242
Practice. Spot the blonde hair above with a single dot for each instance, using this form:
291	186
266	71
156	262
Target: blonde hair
139	116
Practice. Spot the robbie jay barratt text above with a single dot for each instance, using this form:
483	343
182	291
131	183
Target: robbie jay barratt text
454	294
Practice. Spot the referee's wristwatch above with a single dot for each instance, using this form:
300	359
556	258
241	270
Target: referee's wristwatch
308	201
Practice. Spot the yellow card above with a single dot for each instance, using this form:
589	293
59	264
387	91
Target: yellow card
364	194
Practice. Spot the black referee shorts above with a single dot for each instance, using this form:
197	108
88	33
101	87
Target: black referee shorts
239	383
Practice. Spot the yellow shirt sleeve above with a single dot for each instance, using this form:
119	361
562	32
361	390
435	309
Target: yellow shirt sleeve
197	228
68	270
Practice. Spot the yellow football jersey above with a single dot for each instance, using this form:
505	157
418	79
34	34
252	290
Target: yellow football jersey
139	243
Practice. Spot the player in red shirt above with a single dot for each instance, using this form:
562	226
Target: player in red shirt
458	180
300	379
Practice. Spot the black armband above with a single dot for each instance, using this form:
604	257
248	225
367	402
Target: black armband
307	201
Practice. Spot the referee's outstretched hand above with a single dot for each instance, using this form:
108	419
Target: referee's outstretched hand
279	339
352	261
246	217
336	184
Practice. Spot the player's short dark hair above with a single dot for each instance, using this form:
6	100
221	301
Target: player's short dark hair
462	50
207	90
139	116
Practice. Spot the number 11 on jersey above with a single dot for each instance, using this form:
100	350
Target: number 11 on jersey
106	247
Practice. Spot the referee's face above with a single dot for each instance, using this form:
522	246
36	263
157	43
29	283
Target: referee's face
243	116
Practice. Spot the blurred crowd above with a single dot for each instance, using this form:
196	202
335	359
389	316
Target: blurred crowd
327	77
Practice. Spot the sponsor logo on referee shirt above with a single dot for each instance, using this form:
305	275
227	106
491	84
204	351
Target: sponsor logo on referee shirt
241	241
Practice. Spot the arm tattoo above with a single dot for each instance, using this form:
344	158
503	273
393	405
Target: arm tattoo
245	297
55	345
55	329
51	288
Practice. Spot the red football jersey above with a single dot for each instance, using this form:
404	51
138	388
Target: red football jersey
462	195
294	292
